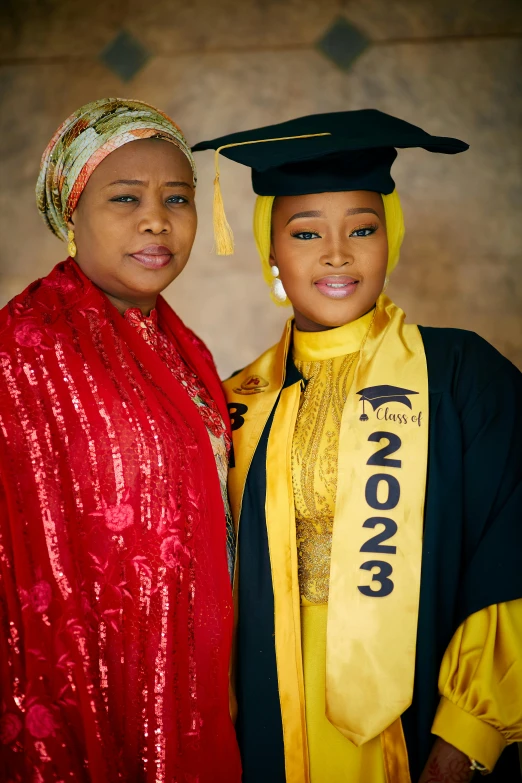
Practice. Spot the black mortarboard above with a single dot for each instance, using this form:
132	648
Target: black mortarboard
348	150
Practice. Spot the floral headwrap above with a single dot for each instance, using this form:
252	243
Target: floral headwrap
84	140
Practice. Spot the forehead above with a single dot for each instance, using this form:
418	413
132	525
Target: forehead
347	199
329	202
142	159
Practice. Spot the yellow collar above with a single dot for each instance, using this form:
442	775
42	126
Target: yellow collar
317	346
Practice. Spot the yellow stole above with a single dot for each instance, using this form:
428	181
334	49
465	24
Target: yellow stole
377	538
377	534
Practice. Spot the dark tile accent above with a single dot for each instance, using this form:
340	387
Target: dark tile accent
125	56
343	43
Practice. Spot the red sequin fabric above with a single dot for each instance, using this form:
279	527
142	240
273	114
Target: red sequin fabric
115	598
147	327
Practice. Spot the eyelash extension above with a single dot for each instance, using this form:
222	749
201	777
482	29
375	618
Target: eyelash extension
304	231
372	226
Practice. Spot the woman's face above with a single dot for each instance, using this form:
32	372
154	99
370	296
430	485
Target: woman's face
136	221
332	251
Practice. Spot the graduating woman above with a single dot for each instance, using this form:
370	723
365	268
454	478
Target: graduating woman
376	487
115	596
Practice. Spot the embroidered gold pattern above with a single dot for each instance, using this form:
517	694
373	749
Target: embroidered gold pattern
314	468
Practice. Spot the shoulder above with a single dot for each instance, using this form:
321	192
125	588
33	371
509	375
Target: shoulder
44	300
19	304
202	347
20	315
464	364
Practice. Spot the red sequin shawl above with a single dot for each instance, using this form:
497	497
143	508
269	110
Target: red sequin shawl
115	600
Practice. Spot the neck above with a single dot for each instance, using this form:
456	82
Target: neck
304	324
123	304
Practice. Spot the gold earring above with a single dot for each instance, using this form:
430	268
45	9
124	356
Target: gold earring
71	246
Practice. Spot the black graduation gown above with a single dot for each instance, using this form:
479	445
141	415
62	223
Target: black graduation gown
472	546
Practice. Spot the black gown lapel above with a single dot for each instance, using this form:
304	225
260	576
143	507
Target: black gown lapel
258	725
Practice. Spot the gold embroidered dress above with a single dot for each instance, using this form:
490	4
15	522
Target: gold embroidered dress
327	361
473	679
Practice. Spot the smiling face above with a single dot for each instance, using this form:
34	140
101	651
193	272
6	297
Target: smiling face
332	252
136	221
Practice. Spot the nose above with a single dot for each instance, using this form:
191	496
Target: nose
336	253
154	218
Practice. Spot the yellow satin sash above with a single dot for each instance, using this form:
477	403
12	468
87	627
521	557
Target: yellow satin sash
377	534
251	396
374	593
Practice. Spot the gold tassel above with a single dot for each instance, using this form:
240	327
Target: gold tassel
223	236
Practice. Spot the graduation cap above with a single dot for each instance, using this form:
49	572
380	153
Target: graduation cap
348	150
378	395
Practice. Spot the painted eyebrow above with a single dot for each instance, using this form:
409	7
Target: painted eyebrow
310	213
141	182
360	210
317	213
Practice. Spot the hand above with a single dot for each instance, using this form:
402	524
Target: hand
446	764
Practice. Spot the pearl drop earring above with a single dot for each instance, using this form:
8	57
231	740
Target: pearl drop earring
278	289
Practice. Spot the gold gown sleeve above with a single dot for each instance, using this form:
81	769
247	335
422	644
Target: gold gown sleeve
480	683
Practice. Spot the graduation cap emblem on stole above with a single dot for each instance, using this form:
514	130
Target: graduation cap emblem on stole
254	384
378	395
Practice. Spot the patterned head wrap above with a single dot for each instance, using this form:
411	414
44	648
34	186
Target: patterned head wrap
84	140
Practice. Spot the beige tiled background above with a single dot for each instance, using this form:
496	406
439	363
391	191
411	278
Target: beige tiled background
216	66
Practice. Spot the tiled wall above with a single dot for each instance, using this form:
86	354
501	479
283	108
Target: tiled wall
452	67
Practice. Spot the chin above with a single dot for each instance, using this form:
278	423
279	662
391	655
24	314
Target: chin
151	284
332	317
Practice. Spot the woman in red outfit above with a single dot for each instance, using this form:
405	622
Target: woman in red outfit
115	597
